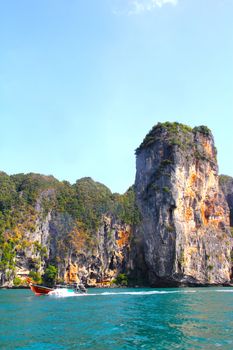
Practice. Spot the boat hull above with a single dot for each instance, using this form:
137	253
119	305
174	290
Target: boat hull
40	290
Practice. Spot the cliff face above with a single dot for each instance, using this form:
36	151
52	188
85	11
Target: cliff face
185	218
93	262
83	230
226	184
59	241
170	228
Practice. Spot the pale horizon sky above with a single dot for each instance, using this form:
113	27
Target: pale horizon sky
82	82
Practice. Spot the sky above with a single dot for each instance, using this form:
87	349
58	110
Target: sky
82	82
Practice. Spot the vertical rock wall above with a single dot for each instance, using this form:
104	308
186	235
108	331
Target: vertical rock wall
226	184
185	218
95	264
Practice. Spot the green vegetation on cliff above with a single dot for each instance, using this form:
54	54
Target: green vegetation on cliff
174	133
225	180
121	280
50	275
203	130
92	200
24	197
125	207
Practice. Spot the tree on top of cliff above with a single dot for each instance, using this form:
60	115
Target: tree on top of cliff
172	132
203	130
154	134
31	185
93	199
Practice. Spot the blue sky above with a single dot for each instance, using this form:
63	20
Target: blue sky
82	82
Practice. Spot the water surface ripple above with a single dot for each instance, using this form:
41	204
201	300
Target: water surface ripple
118	319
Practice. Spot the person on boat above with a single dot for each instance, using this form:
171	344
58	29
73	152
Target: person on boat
80	288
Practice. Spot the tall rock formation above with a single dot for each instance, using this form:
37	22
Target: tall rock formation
185	217
170	228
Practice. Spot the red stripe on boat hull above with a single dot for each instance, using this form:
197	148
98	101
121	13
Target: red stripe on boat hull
40	290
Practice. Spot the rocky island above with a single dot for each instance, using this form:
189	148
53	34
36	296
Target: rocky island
172	227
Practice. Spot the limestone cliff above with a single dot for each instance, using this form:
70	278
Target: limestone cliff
170	228
185	218
83	230
58	240
93	262
226	184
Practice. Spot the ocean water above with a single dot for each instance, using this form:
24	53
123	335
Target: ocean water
116	319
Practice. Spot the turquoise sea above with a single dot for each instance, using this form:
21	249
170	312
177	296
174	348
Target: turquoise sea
200	318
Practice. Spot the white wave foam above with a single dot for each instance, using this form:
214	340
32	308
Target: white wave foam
147	292
61	292
138	293
65	293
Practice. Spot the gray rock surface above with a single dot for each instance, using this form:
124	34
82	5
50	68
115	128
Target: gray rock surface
185	217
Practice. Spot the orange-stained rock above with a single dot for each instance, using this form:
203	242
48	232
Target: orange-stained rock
188	214
71	275
185	217
123	237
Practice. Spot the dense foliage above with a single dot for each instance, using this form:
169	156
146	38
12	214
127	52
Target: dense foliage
23	197
202	129
173	130
50	275
176	134
121	280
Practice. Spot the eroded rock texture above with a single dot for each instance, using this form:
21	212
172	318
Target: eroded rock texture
226	184
92	262
82	231
171	228
57	240
185	217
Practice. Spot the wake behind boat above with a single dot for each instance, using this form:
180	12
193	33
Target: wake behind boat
58	290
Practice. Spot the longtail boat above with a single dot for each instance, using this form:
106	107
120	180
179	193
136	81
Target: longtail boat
38	290
59	290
